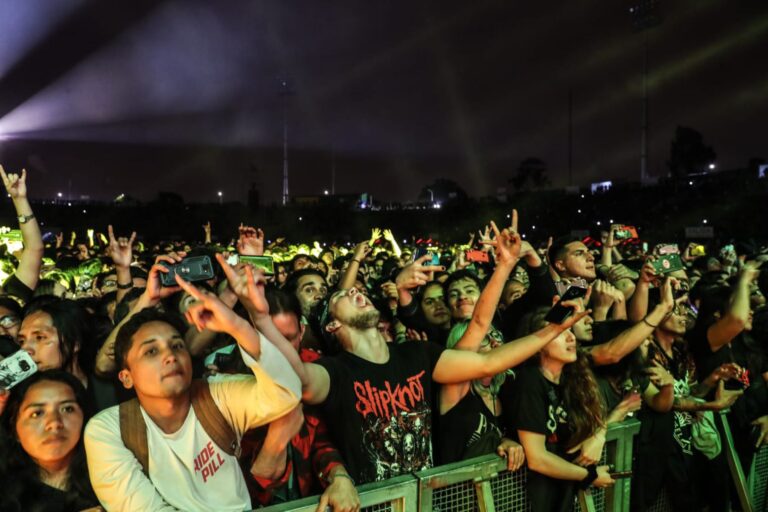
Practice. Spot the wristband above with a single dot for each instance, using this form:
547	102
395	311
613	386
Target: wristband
649	324
126	286
359	262
591	476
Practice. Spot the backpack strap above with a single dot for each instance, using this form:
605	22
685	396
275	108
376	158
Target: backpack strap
213	422
133	431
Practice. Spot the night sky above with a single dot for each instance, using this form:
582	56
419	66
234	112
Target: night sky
185	95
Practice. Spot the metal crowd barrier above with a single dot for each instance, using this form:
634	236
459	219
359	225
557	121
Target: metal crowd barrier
483	484
751	488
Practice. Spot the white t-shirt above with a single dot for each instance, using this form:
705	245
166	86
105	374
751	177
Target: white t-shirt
187	470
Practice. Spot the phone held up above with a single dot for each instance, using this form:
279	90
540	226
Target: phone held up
559	313
15	368
195	268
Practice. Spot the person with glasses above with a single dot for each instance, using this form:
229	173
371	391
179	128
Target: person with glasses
10	317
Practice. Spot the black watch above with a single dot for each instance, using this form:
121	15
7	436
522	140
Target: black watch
591	476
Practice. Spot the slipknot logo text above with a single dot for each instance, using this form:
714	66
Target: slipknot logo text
387	402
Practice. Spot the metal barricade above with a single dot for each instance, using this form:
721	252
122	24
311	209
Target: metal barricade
398	494
483	484
757	482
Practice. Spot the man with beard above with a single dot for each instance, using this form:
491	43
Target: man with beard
370	383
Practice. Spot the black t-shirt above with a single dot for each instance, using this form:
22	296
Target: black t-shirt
536	405
746	352
464	428
36	496
380	415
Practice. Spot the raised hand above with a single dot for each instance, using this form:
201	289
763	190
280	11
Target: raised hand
247	284
251	241
506	244
120	249
362	250
208	311
15	185
155	291
416	274
375	235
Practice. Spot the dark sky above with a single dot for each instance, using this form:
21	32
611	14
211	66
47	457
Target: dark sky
401	92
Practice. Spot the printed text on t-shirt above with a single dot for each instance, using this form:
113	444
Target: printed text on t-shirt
208	461
386	402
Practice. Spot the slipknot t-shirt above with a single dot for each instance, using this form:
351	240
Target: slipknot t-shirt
380	415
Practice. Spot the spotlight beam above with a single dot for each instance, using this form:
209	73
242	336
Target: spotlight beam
82	34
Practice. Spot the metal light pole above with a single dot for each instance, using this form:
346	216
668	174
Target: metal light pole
285	92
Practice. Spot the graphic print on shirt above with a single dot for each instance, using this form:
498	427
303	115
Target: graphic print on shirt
396	426
683	419
555	415
208	461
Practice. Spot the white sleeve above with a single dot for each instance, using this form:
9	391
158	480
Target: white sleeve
248	402
116	475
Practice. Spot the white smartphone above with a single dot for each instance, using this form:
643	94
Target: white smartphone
15	368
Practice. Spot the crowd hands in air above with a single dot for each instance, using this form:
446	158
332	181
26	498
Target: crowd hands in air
314	369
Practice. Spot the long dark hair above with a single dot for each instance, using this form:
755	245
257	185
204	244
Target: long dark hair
581	394
17	466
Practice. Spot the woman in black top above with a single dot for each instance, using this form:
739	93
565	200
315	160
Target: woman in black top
555	406
42	461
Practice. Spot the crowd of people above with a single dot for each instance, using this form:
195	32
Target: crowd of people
283	370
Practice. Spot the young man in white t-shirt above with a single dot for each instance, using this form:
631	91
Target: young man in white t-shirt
186	470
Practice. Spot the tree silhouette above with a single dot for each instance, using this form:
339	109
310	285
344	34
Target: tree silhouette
688	153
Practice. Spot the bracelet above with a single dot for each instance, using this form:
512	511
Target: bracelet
649	324
343	475
591	476
359	262
126	286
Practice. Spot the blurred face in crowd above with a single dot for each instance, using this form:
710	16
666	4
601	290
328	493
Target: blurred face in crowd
675	322
9	323
158	364
577	262
433	306
108	284
512	291
281	274
290	327
562	348
310	290
39	337
583	329
49	423
462	297
300	262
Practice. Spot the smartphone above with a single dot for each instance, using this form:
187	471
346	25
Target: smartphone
15	368
423	251
264	263
625	232
668	263
698	250
559	313
196	268
476	256
662	249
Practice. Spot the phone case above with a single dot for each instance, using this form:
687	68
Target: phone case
15	368
196	268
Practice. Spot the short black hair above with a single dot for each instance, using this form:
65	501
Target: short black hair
281	301
292	284
459	275
558	249
124	339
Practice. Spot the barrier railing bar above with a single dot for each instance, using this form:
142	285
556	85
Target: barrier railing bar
734	464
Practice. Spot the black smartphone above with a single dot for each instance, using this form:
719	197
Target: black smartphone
195	268
265	263
559	313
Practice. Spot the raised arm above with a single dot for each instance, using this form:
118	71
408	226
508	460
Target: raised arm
733	321
350	275
638	303
31	258
614	350
455	366
121	251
